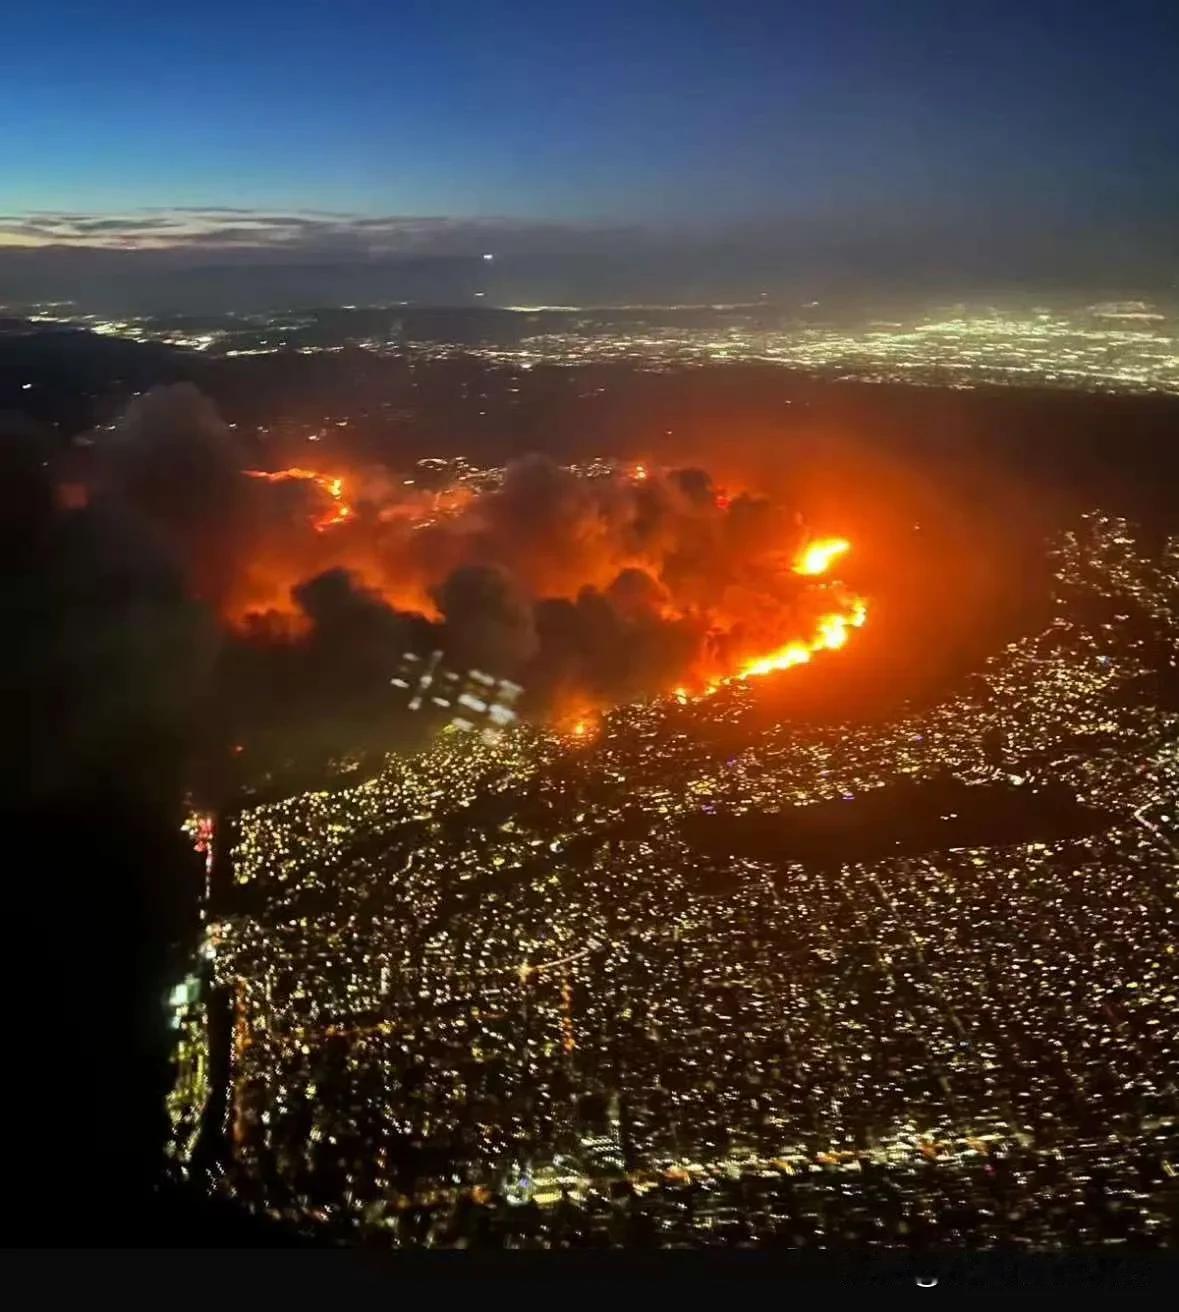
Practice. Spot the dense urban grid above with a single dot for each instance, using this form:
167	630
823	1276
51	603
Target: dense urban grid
1117	346
687	980
1125	351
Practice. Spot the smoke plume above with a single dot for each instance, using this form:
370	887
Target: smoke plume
587	586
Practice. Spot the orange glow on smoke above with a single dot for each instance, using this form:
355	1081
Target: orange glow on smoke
750	601
816	557
331	484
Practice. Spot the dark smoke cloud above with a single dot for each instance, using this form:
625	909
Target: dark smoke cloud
104	652
354	636
321	691
173	463
604	647
116	669
601	589
488	617
636	596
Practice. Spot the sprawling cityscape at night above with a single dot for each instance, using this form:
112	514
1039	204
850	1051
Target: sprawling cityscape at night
1127	346
578	990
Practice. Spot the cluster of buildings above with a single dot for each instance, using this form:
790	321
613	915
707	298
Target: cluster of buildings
506	993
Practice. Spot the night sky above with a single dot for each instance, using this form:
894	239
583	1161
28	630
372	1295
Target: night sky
906	117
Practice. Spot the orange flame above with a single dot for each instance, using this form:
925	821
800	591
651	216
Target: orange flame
578	720
816	557
831	629
831	633
332	484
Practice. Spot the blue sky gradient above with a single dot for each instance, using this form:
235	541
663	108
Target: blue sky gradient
683	113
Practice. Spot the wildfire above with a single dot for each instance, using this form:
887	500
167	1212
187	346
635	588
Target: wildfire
830	634
831	629
579	720
587	546
331	484
816	557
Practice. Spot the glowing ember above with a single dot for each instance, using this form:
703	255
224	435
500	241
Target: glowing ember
817	556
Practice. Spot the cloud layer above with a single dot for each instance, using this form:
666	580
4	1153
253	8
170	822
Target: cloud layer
311	232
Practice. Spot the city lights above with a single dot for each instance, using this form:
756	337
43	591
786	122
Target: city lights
519	954
1115	348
